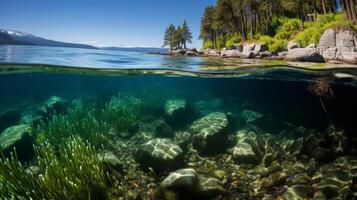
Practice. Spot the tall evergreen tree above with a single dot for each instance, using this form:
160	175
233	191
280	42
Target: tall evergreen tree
169	36
186	35
208	30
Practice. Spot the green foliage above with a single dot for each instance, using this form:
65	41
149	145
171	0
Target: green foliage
177	37
233	39
72	172
309	36
208	44
221	42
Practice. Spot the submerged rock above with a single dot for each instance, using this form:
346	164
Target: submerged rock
182	184
188	184
244	154
18	137
163	130
160	155
110	161
296	192
249	116
338	140
335	184
210	133
183	139
54	105
9	118
206	107
177	112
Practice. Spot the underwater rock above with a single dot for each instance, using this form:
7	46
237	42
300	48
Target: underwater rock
188	184
54	105
210	133
264	146
181	184
296	192
110	161
160	155
182	139
312	141
249	116
335	184
9	118
243	153
299	179
322	155
19	137
337	139
295	148
32	119
163	130
176	111
210	187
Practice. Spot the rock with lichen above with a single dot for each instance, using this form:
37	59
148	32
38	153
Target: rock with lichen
160	154
210	133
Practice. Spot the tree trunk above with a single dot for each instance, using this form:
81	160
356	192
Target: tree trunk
323	6
346	7
353	11
301	13
315	10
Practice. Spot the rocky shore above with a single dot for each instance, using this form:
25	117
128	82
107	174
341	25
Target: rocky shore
335	46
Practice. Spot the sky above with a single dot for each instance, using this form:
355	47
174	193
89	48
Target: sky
103	22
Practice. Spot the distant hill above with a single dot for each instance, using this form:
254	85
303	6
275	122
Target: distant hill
136	49
11	37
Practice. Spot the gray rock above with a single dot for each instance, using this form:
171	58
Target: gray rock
9	118
19	137
345	38
328	39
322	155
335	184
180	184
265	54
210	133
293	45
249	116
304	55
211	52
110	161
243	153
296	192
312	46
210	187
163	130
231	53
191	53
182	139
160	155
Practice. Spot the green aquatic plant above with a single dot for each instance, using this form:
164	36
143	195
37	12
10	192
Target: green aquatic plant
83	119
123	112
71	171
321	88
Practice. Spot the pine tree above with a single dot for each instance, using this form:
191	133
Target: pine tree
169	36
186	35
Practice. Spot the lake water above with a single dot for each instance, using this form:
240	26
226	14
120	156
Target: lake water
237	129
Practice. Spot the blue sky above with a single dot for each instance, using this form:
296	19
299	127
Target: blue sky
106	22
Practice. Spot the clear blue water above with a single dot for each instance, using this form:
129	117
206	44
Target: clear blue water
83	80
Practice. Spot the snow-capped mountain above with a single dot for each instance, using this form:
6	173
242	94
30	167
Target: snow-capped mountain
12	37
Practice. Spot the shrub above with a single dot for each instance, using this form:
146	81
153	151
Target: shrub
234	39
308	36
208	44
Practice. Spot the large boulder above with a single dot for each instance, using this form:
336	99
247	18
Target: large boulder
211	52
235	53
9	118
110	162
304	55
243	153
17	137
210	133
339	45
160	155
